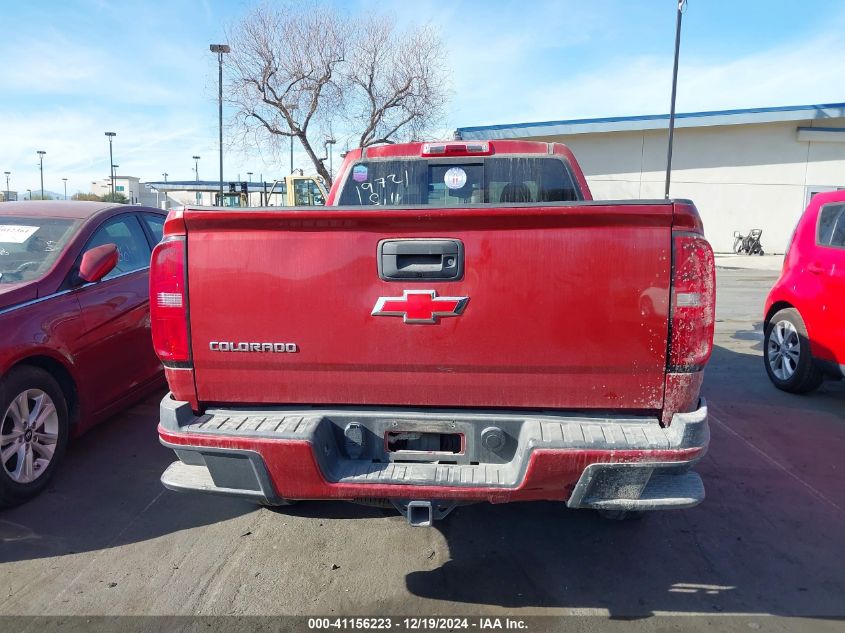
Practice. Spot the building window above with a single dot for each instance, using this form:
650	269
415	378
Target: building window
813	190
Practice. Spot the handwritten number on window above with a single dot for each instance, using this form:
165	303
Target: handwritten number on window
378	194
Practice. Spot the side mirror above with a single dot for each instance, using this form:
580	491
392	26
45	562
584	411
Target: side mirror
98	262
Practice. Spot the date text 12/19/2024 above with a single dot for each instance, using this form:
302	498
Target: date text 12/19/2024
418	623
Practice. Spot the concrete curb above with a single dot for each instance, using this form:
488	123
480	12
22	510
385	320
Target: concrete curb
769	263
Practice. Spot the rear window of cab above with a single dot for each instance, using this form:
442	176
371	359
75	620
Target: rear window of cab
459	182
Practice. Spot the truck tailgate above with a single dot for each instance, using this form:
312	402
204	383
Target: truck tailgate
566	307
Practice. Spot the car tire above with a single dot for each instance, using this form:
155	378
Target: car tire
621	515
786	353
32	442
280	503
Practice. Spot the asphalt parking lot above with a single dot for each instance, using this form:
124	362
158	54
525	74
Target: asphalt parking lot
768	540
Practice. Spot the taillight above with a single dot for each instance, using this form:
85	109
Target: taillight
169	301
693	303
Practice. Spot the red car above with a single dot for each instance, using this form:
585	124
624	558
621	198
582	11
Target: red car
805	311
74	313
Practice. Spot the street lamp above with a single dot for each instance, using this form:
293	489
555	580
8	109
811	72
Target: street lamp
41	153
196	168
682	6
220	49
111	135
165	174
8	173
65	181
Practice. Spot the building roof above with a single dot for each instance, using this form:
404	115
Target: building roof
212	185
655	121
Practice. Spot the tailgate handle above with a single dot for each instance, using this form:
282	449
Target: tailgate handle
420	259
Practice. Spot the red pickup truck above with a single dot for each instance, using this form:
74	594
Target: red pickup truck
460	323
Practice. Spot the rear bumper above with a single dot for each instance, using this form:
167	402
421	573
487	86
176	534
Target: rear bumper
270	455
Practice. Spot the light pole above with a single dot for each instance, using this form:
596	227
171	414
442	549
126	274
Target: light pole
114	169
291	108
330	141
196	168
8	173
682	6
220	49
65	181
41	153
111	135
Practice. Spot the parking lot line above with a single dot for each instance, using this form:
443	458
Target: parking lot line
813	491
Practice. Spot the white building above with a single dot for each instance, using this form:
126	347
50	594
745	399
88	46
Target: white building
129	186
744	169
206	193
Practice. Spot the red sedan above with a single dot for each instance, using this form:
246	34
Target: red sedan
75	323
805	312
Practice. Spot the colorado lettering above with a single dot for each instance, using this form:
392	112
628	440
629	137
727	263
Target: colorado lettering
276	348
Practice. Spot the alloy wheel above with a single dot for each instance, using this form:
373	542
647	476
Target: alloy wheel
784	350
29	431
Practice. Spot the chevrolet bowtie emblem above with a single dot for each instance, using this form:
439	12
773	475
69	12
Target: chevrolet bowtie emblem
420	306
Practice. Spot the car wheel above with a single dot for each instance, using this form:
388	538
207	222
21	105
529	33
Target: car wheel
787	356
33	433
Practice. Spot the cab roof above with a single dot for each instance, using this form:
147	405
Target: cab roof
455	147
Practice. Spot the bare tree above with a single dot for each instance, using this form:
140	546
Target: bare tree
296	71
396	82
282	72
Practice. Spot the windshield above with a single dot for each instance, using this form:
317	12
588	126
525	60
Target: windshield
510	179
307	193
29	246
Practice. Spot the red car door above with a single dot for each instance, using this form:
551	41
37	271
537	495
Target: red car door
828	264
116	352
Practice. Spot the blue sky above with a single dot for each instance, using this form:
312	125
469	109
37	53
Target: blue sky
71	70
